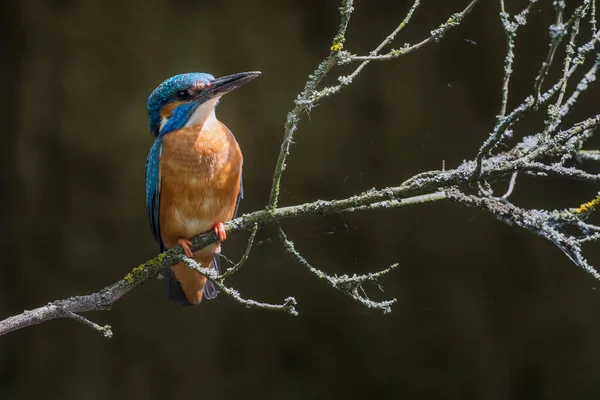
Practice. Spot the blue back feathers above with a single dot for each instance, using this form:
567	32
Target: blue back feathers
153	189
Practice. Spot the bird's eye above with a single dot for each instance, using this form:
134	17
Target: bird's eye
182	95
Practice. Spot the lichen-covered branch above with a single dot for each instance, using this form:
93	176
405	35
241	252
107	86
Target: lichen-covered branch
556	151
344	57
422	188
549	224
510	31
349	285
288	306
435	36
303	102
310	95
502	130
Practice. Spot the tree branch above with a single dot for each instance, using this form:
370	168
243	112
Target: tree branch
533	155
423	188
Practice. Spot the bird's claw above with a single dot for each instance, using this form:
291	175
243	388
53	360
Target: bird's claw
220	231
185	245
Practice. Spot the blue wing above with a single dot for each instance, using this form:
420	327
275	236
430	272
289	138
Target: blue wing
240	196
153	190
180	116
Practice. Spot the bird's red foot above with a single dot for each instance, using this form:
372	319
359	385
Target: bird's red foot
220	231
185	245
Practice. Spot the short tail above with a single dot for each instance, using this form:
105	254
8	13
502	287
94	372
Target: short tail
173	289
193	282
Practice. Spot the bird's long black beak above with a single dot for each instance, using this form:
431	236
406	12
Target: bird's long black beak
228	83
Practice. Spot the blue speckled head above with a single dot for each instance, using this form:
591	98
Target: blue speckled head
167	91
185	93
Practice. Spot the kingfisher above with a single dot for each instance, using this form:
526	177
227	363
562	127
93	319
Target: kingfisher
193	175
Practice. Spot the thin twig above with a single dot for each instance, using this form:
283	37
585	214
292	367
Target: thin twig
588	155
511	185
502	127
303	102
236	267
343	58
105	330
510	31
288	306
557	33
348	285
435	36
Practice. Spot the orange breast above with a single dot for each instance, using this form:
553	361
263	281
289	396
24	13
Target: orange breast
200	171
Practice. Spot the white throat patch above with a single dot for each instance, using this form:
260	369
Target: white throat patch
205	113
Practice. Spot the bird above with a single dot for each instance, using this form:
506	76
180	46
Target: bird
193	175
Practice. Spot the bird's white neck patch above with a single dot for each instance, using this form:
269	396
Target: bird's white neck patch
205	113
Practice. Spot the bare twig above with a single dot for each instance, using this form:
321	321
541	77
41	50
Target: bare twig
310	96
557	33
510	31
303	102
592	155
502	128
244	258
435	36
548	224
105	330
511	185
344	57
288	306
348	285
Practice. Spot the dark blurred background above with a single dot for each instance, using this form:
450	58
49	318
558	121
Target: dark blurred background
484	311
